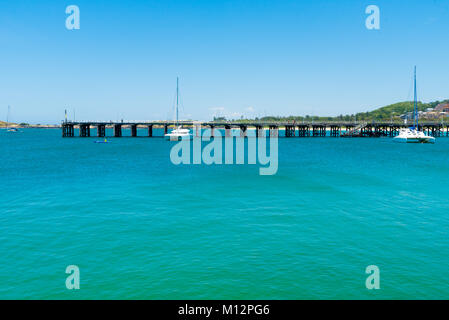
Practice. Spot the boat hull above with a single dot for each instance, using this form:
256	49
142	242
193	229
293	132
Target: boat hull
174	137
415	140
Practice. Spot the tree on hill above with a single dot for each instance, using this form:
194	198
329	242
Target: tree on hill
387	113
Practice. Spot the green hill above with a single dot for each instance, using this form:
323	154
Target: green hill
389	112
395	110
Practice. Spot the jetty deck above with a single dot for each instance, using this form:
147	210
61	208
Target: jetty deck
323	129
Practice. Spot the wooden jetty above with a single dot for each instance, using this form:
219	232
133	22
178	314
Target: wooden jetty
330	129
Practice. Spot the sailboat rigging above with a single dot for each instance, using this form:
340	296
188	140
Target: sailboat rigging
8	129
178	133
413	134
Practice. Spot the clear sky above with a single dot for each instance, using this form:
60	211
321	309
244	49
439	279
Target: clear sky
233	57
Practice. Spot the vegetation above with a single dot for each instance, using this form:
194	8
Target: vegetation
395	110
389	113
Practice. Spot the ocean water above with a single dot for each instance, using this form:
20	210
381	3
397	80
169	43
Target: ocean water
140	227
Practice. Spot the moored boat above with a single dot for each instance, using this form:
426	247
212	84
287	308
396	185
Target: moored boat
413	134
178	133
8	129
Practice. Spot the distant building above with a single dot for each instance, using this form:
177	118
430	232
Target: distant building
407	116
442	107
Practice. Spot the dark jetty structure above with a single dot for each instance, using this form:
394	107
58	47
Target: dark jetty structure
331	129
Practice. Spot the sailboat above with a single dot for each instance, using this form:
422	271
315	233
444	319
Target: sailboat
412	134
8	129
178	133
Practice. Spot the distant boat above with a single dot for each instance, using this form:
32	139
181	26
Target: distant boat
8	129
412	134
178	133
102	141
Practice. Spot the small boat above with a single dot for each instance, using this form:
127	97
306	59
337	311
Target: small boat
178	133
102	141
412	134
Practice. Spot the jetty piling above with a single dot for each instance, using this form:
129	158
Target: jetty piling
243	130
117	130
228	131
133	130
101	130
332	129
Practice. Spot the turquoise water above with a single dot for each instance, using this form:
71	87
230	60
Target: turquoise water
139	227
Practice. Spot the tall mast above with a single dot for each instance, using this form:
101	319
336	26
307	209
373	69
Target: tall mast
7	119
177	99
415	106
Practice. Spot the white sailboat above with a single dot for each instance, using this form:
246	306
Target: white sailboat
8	129
412	134
178	133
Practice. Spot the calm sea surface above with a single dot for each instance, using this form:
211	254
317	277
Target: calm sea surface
140	227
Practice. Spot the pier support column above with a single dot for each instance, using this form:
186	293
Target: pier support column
228	132
101	130
150	131
274	132
367	131
260	132
165	129
303	130
377	131
133	130
84	130
335	131
439	130
197	130
117	130
395	131
289	131
348	128
68	131
243	132
323	131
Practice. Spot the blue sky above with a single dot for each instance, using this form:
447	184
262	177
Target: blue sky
234	58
